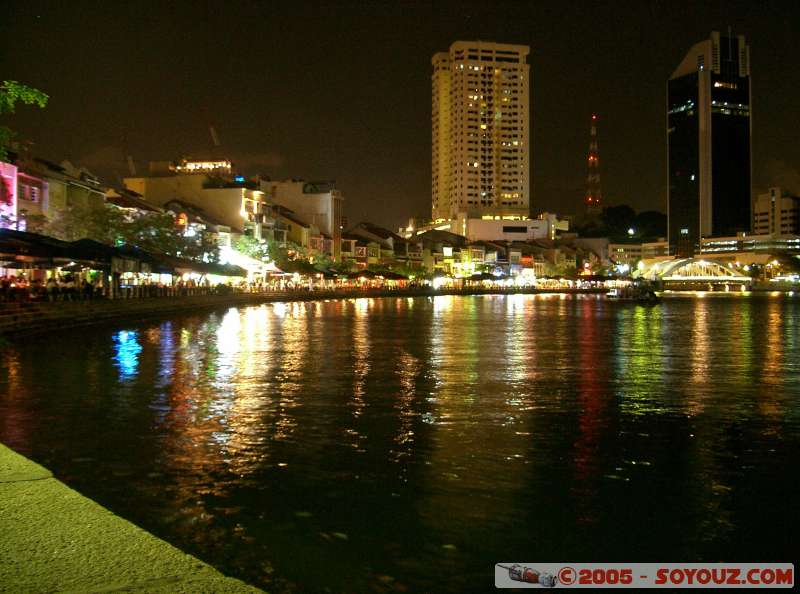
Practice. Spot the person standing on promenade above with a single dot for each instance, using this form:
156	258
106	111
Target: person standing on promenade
51	288
36	289
70	288
62	288
87	290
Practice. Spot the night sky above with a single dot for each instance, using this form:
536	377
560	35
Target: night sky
341	90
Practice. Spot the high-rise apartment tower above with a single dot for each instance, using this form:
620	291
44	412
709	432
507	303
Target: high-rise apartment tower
481	151
708	136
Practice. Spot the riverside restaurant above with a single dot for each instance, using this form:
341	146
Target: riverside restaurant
35	267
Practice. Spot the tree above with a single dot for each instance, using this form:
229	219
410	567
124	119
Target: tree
651	224
322	262
592	227
408	269
152	232
279	252
157	233
252	247
618	219
80	221
11	93
343	266
565	268
203	247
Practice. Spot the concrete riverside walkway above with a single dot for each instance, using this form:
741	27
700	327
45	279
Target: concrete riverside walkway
52	539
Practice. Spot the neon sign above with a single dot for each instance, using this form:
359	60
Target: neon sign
8	195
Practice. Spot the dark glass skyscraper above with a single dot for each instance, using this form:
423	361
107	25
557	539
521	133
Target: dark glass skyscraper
708	134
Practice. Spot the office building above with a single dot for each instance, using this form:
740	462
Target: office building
776	212
480	126
708	131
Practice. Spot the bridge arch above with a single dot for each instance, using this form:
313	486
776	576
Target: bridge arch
693	270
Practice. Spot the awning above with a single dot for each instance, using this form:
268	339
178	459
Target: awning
39	251
389	275
361	274
21	246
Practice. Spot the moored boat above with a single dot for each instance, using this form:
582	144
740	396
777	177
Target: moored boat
633	293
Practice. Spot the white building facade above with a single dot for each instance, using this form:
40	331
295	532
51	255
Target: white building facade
489	228
316	203
480	131
242	209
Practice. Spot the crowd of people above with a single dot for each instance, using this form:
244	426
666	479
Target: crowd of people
67	287
61	286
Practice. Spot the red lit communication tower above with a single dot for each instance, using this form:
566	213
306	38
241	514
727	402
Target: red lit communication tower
594	196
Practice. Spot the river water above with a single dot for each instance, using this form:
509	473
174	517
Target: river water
407	445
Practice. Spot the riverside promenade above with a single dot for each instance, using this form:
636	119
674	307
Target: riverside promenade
20	320
52	539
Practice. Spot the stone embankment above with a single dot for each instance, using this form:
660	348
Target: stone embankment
53	539
23	319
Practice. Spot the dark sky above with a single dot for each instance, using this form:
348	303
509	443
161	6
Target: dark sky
341	90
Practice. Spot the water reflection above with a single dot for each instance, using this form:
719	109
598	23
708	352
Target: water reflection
699	361
127	349
408	444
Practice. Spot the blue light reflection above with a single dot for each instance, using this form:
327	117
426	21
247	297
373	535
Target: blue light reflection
127	350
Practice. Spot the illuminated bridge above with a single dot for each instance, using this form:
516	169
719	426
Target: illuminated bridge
694	273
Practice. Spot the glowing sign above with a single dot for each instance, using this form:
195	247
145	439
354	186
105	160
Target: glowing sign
202	166
8	195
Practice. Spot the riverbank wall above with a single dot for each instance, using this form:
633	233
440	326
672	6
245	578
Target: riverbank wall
21	320
53	539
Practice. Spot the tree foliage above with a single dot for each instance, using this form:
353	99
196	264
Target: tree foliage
566	269
80	221
287	256
323	262
12	93
252	247
618	219
343	266
615	221
651	224
404	268
157	233
153	232
282	253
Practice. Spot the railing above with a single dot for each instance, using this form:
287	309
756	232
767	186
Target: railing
21	297
40	294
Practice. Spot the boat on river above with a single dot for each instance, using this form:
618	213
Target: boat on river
641	294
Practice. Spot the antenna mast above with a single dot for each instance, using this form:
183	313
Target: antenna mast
594	196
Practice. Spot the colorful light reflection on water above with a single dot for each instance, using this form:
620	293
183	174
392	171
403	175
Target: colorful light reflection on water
127	349
408	444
